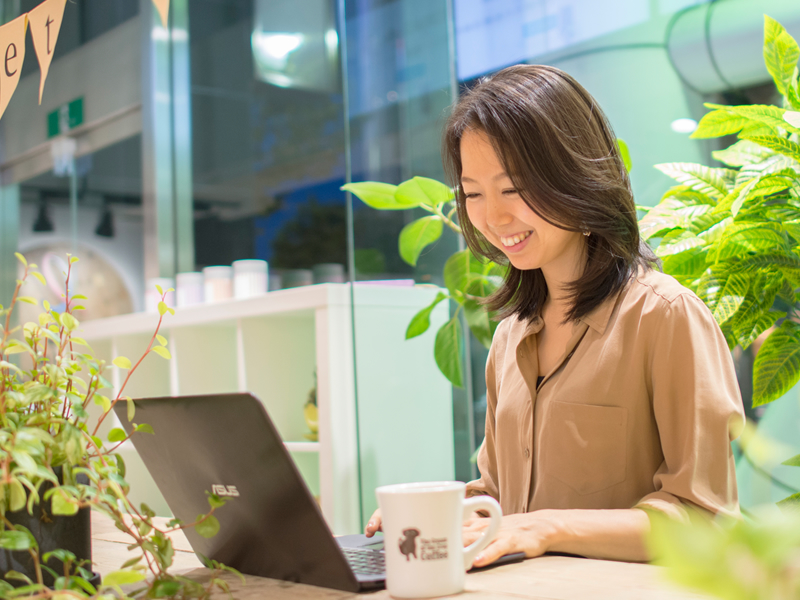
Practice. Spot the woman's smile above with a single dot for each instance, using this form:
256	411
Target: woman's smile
516	242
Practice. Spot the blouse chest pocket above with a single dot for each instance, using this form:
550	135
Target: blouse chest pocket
584	446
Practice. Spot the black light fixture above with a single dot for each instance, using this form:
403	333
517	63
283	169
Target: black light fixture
105	228
43	222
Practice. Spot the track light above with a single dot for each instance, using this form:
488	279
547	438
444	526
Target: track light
105	228
43	222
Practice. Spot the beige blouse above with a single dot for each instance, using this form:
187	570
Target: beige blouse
637	412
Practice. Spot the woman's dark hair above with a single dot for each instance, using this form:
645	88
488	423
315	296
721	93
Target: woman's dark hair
560	151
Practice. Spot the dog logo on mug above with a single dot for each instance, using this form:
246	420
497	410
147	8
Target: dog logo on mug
430	549
408	544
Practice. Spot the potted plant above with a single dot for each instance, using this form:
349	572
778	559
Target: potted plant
732	235
54	467
468	280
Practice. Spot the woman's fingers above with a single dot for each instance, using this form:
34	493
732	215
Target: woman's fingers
499	547
375	523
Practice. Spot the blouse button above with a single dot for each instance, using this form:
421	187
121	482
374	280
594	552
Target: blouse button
527	453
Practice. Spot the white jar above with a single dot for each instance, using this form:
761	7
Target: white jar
152	297
250	278
189	289
218	283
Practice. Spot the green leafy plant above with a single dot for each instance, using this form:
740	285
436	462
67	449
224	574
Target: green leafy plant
51	457
468	279
732	234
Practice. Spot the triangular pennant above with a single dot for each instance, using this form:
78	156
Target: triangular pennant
45	21
12	54
163	10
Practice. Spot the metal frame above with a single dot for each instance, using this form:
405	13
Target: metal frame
166	142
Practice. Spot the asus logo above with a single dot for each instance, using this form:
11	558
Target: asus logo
223	490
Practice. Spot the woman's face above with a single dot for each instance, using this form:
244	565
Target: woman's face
498	211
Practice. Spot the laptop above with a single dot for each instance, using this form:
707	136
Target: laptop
272	526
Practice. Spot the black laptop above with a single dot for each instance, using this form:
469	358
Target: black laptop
272	525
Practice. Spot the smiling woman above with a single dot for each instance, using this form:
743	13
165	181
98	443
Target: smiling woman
610	388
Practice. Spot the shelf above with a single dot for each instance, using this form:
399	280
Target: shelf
302	446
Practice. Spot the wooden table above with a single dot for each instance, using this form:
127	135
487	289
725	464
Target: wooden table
545	578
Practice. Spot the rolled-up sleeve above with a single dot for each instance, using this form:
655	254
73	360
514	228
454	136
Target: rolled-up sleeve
697	405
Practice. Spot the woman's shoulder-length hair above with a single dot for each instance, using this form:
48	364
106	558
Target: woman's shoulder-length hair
560	152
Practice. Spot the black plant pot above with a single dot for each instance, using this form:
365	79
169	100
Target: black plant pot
52	532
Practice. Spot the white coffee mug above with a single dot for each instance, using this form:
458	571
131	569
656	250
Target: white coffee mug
423	543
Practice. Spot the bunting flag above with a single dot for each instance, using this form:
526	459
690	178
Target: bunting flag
45	22
12	45
163	10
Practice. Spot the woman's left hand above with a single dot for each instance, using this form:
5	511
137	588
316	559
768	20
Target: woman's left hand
530	533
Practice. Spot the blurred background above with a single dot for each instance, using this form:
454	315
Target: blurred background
228	134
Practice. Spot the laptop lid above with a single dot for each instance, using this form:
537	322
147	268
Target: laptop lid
274	527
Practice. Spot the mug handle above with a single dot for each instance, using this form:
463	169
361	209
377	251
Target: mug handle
491	506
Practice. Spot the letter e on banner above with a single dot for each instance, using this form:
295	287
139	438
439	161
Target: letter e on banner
163	10
12	46
45	21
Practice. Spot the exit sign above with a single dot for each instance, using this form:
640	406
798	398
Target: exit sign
65	117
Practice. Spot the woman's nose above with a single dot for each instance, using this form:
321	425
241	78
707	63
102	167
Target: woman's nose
496	213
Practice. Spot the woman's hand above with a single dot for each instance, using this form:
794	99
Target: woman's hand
528	532
375	523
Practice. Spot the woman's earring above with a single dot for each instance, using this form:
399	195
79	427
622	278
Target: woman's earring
587	233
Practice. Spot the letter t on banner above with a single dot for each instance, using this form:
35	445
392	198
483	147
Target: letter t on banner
12	46
45	22
163	10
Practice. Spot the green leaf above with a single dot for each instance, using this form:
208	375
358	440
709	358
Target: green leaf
161	340
16	496
145	428
718	123
117	578
731	297
712	182
165	588
375	194
14	540
102	401
791	504
461	269
741	238
131	408
21	259
447	351
748	330
207	528
417	235
678	241
743	152
792	462
68	321
161	351
479	322
778	144
421	321
777	364
73	259
780	54
422	191
162	308
687	265
116	435
765	114
28	300
122	362
61	506
625	154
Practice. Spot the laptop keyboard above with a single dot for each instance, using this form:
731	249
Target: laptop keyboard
364	561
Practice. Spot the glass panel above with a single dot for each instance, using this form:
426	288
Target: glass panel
268	141
109	226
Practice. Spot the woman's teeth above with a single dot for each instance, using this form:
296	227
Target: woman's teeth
514	239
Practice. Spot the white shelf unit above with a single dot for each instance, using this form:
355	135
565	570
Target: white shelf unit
272	345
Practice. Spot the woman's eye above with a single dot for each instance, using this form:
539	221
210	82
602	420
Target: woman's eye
470	196
511	192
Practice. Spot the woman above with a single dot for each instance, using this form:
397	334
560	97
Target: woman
610	388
